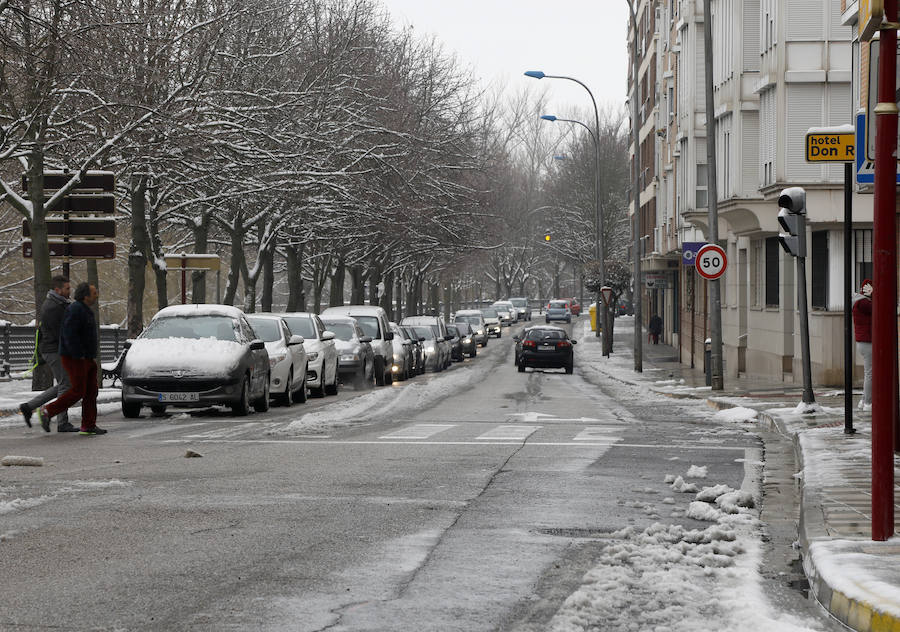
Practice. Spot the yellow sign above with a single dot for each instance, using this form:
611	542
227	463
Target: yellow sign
871	13
830	146
192	262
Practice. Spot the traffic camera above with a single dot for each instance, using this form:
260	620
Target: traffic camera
792	217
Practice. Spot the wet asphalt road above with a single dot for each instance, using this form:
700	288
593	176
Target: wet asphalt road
479	512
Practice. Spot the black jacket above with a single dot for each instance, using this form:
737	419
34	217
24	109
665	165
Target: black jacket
78	334
52	311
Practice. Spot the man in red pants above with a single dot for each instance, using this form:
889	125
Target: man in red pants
77	351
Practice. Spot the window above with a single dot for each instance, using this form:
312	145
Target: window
819	254
757	273
862	257
671	101
701	186
772	272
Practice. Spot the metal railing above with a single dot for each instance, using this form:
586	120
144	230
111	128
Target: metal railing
17	346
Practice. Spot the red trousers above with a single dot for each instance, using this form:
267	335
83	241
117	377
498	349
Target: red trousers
83	377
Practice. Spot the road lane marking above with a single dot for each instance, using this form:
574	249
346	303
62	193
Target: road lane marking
418	431
156	429
511	433
572	444
598	433
225	433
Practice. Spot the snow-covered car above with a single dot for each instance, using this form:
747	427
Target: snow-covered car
287	358
356	360
321	355
492	321
506	312
402	368
196	356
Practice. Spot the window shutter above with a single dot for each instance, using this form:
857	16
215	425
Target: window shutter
772	277
750	30
804	110
836	32
805	20
819	260
749	153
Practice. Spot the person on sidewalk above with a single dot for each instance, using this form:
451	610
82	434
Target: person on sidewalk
654	328
52	311
862	329
78	350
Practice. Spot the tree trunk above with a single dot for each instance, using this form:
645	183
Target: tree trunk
434	298
448	298
237	260
268	288
137	259
201	247
387	298
296	295
357	285
336	293
399	298
375	278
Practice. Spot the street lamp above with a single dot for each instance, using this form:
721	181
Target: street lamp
537	74
636	195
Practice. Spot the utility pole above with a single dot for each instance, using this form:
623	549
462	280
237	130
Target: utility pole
712	234
636	197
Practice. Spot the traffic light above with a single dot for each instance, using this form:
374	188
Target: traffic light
792	217
547	237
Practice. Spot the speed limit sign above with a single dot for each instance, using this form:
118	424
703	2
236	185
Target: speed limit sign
711	261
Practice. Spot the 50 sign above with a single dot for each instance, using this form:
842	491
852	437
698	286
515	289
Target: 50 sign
711	262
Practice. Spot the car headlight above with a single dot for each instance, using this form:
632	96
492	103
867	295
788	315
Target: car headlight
348	357
312	355
481	332
467	341
429	349
275	359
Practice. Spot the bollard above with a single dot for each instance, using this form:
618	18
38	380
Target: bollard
707	361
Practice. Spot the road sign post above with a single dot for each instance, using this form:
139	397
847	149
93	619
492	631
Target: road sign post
836	144
185	262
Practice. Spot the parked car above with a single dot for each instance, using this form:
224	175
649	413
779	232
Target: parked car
467	339
321	355
434	355
196	356
492	322
356	360
475	318
287	358
442	337
402	366
574	306
506	312
558	309
456	353
523	312
418	344
374	322
545	347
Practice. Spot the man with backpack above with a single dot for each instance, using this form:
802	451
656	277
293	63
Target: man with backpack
52	311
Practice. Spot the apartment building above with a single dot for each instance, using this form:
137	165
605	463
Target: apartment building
779	68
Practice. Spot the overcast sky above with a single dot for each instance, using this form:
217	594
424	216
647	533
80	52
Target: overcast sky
501	39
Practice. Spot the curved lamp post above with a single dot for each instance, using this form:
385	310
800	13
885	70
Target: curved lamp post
636	195
537	74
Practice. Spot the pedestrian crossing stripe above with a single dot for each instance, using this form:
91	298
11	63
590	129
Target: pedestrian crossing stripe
508	433
597	433
225	433
418	431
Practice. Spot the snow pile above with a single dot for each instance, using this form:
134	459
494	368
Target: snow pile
738	414
709	494
685	488
696	471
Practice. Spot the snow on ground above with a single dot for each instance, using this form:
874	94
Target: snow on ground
15	392
670	578
738	414
829	468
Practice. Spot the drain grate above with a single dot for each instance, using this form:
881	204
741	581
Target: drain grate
577	533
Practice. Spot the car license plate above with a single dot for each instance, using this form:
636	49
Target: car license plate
174	398
547	348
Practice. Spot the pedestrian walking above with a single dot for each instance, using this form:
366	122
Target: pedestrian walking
655	328
862	329
78	350
51	317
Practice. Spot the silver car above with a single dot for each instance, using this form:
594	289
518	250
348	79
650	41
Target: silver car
322	361
287	358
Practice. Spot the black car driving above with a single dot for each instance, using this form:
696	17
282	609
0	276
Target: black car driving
545	347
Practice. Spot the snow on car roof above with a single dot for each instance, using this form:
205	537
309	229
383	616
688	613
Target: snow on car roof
337	318
363	310
203	309
266	315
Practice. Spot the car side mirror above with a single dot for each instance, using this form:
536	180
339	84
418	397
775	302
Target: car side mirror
295	340
421	338
406	343
448	337
128	344
257	345
574	342
389	335
327	335
516	338
366	339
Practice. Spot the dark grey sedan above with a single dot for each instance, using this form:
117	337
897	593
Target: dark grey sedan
196	356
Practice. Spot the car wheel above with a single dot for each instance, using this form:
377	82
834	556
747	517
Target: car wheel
131	410
521	367
299	396
569	369
242	406
547	321
285	398
388	374
332	389
569	320
261	405
158	410
499	334
379	372
474	352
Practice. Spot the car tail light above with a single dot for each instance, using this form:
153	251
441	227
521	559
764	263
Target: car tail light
528	343
563	344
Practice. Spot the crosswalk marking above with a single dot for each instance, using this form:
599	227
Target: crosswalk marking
598	433
225	433
509	433
418	431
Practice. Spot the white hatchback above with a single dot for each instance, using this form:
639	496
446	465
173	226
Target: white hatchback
321	356
287	358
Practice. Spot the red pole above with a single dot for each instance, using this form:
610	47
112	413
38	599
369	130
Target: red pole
884	298
183	288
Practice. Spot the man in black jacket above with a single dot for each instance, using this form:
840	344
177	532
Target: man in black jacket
52	311
78	350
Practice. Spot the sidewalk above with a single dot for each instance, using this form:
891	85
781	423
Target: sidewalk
853	577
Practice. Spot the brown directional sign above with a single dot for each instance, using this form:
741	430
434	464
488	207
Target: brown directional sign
97	203
90	181
76	249
81	227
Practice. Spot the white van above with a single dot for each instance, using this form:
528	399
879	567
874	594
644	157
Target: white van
373	321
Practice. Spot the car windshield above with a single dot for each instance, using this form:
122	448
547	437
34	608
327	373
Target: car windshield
301	326
545	334
519	302
266	329
558	304
463	328
196	327
452	330
472	320
342	331
369	324
490	313
424	332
